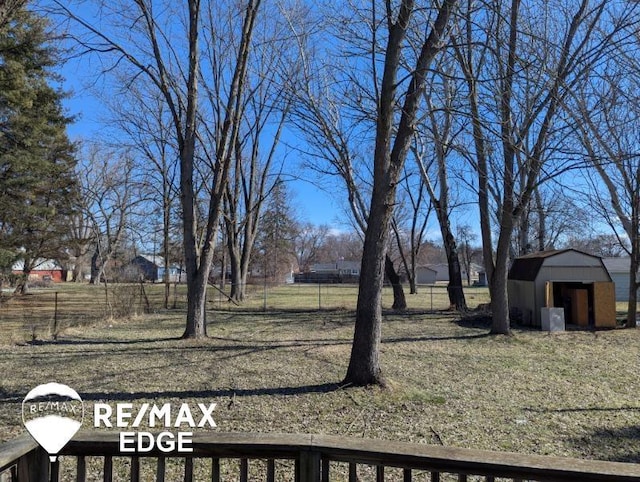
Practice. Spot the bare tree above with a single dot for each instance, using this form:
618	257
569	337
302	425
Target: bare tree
144	118
334	108
608	120
520	65
409	225
554	215
110	195
466	253
79	240
161	43
394	132
256	152
433	151
308	243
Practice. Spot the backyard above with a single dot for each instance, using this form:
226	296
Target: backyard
565	394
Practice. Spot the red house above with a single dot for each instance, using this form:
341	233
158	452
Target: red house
45	270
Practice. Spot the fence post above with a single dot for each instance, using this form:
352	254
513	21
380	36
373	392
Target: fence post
431	297
308	466
55	317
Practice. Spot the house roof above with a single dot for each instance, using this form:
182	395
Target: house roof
617	265
153	259
525	268
428	268
41	265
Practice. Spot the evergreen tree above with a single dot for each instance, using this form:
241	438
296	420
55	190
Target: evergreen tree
36	157
277	233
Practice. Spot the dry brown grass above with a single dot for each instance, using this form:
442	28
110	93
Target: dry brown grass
572	393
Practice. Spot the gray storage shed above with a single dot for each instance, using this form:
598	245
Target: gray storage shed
566	278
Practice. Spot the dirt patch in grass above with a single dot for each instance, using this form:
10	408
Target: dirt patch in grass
572	393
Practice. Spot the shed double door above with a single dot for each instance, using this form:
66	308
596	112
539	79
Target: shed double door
604	304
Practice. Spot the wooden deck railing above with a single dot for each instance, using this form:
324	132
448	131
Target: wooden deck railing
309	458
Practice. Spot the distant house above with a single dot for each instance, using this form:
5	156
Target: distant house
44	270
341	271
442	272
426	275
569	279
618	269
441	269
152	268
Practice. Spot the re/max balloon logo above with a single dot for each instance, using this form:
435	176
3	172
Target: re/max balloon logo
53	413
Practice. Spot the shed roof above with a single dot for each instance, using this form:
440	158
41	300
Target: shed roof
526	268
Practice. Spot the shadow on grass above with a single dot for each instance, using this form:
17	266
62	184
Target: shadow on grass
582	409
611	444
190	394
602	443
86	341
410	339
216	393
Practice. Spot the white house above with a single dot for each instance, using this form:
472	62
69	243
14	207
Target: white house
442	271
618	269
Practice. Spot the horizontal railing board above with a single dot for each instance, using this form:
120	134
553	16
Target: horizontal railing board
361	451
379	452
13	449
481	462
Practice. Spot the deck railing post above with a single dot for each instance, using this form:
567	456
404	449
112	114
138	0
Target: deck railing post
34	466
308	466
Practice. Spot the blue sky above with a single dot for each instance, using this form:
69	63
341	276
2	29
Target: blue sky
310	202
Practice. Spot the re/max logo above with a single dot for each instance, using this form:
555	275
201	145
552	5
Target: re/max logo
154	415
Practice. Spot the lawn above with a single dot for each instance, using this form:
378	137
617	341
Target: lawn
567	394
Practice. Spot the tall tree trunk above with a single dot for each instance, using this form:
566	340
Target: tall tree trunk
542	220
237	293
166	227
632	306
364	364
634	235
399	299
197	268
22	283
455	291
388	160
499	300
97	267
501	324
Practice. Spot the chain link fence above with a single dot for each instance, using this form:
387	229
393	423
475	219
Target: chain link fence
45	312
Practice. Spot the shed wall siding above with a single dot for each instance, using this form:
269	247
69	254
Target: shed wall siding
522	296
573	259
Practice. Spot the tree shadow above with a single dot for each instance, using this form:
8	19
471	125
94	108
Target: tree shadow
619	444
613	444
410	339
190	394
582	409
100	341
